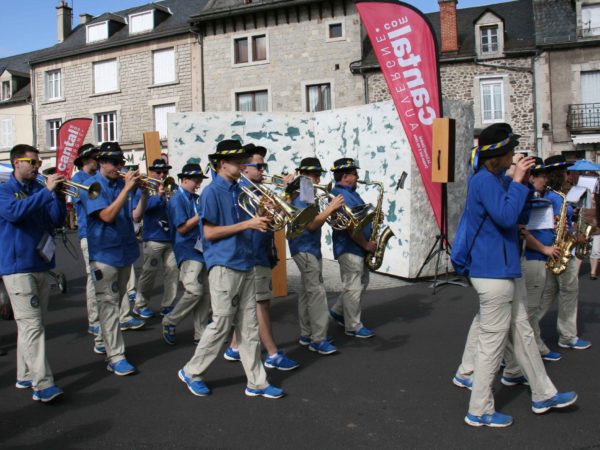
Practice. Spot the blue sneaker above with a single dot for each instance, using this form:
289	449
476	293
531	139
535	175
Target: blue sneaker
514	381
132	324
169	334
94	329
322	348
268	392
47	395
121	368
552	356
337	318
466	383
132	296
560	400
305	340
496	420
166	310
196	387
144	313
363	333
231	354
23	384
99	349
578	344
280	362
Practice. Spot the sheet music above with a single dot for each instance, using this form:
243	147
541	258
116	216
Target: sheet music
587	182
575	193
541	218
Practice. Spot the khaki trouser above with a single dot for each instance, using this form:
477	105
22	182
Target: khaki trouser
3	294
156	253
355	279
233	300
312	299
503	309
263	280
534	273
111	285
566	287
195	299
125	306
90	293
28	293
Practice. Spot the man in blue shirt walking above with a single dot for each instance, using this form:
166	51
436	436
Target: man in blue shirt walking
185	236
227	247
350	249
29	213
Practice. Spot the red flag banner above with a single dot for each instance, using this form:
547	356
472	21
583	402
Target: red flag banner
70	137
404	43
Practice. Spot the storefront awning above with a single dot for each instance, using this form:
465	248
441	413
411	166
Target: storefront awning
586	138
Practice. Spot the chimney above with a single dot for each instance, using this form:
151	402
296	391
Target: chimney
448	25
63	15
85	18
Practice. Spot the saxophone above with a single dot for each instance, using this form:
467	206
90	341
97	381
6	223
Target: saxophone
375	260
563	240
583	229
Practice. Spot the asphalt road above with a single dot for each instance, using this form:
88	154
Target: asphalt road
393	391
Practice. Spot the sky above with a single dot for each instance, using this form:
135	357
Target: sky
27	25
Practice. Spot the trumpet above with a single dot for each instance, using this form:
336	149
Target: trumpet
257	200
72	189
147	183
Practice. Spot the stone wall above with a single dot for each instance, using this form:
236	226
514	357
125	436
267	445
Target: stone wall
461	82
135	99
299	53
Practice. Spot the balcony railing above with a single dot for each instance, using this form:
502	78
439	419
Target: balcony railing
584	117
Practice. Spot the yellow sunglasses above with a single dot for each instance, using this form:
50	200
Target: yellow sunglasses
33	162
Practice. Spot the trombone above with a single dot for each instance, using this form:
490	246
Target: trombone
72	189
257	200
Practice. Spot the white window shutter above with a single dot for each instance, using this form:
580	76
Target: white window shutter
105	76
160	118
139	23
164	66
97	32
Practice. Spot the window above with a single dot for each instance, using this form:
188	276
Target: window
106	127
141	22
336	30
250	49
52	127
53	85
252	101
318	97
590	20
6	133
164	66
160	118
492	100
6	92
489	39
97	32
105	76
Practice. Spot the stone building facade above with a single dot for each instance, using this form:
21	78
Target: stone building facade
297	51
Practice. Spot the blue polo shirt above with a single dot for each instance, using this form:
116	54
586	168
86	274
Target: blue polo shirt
27	211
80	177
308	241
110	243
546	236
263	244
219	207
156	219
342	241
182	207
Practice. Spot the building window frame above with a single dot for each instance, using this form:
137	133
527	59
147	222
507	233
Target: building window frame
331	23
488	33
53	88
94	81
306	85
106	126
7	132
483	27
492	81
131	17
585	27
250	39
251	91
52	127
6	94
175	73
93	26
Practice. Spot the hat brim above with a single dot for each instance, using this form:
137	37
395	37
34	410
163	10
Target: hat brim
558	166
315	170
183	175
241	153
345	169
154	168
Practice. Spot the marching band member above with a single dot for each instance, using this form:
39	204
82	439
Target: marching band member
350	251
87	167
185	236
113	247
265	254
227	245
565	286
29	213
539	248
157	248
493	208
306	252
